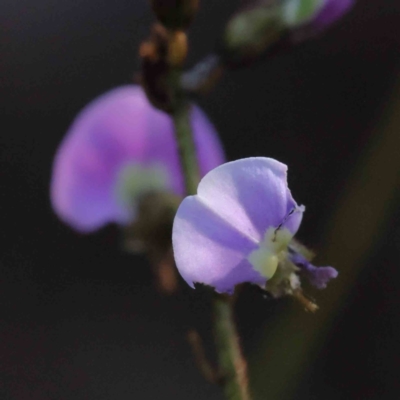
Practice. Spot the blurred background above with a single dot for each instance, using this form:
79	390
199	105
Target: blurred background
79	319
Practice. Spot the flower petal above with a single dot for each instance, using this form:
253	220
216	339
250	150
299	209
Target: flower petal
330	12
252	194
318	276
119	132
210	250
299	12
319	16
215	231
293	219
105	135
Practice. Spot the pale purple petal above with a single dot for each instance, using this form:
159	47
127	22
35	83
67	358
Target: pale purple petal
120	129
318	276
252	194
209	249
330	12
101	139
293	219
215	231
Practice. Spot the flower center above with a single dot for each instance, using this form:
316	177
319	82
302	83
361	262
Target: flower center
134	180
271	251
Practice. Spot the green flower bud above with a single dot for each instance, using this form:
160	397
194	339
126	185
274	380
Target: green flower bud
251	32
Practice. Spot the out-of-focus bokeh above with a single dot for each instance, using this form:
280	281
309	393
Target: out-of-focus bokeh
80	319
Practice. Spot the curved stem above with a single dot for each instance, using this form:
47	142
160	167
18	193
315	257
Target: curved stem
231	361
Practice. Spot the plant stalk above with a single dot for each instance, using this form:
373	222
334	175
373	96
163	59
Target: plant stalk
231	361
186	146
232	365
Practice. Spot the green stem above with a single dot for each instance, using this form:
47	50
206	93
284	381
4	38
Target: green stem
232	365
231	361
186	146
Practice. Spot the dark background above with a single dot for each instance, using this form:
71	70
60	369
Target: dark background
81	320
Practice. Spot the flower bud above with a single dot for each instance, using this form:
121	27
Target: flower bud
307	18
175	14
177	48
251	32
270	26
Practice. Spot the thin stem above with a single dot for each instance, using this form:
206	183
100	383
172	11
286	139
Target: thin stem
232	364
231	361
186	146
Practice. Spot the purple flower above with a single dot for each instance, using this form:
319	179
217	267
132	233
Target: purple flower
331	11
118	148
309	17
238	228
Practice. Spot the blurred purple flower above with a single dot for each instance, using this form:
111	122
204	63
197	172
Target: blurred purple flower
117	148
331	11
309	17
238	228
